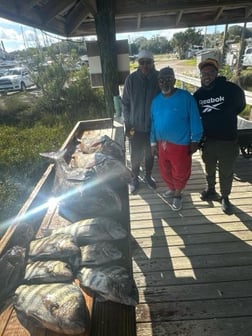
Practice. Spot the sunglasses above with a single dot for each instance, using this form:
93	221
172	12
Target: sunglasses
147	62
165	79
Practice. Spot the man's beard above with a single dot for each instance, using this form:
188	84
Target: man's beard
209	86
167	89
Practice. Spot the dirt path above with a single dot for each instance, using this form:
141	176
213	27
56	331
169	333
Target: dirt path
178	66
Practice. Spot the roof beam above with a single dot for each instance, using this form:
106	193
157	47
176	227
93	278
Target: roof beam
30	4
248	11
127	7
179	16
76	17
17	11
218	14
139	20
91	5
54	8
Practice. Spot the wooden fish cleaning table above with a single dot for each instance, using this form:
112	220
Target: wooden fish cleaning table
107	318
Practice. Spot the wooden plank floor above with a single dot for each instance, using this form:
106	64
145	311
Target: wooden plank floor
193	268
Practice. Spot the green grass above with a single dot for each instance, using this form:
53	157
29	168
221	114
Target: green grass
191	62
164	57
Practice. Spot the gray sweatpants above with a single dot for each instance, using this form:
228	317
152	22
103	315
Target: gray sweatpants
221	154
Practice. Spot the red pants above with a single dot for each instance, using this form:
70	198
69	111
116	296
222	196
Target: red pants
175	163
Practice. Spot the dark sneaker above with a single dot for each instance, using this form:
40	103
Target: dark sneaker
176	204
150	182
226	206
134	186
209	195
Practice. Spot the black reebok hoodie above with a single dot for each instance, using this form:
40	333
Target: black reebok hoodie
219	105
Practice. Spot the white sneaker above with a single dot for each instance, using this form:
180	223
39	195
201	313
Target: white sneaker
168	194
176	203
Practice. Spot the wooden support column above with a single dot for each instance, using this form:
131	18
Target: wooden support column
224	47
241	51
106	37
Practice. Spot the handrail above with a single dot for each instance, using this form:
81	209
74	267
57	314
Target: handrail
196	82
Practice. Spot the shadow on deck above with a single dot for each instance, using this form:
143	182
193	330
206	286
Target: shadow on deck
193	268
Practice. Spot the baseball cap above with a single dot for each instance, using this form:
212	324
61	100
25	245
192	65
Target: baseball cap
167	71
145	54
209	61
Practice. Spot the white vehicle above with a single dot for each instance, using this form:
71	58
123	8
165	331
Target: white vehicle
247	58
16	79
193	51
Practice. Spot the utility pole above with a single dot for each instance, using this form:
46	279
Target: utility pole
205	37
224	47
3	51
23	37
241	51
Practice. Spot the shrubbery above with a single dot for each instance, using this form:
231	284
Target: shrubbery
20	163
31	124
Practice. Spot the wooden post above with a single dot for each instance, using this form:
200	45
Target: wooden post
241	51
105	29
224	47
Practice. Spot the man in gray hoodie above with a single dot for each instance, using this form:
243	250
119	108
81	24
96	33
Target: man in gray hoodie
140	88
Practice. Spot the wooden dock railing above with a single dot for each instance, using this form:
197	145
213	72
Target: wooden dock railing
196	82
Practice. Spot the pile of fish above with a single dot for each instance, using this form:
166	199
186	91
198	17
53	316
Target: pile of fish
89	249
86	186
103	144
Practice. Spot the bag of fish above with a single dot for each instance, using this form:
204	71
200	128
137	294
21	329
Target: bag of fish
103	144
48	271
112	170
92	230
57	307
82	192
111	283
12	266
99	201
54	247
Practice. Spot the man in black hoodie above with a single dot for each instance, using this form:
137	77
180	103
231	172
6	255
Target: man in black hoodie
219	102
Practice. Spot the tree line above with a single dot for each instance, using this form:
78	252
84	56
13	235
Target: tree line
182	41
179	43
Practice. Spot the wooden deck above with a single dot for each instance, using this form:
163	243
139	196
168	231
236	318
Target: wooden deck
193	268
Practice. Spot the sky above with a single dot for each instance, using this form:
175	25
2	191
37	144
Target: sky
19	37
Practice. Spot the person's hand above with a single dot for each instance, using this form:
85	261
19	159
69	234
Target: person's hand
154	151
129	131
193	147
